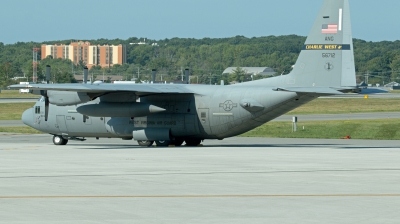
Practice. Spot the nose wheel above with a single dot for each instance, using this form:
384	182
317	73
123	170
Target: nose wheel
59	140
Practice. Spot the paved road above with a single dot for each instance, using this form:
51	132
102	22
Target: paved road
238	180
11	123
18	100
355	116
378	96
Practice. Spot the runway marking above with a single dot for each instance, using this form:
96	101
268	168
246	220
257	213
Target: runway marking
200	196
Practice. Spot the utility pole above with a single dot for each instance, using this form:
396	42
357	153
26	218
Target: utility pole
182	73
366	78
35	63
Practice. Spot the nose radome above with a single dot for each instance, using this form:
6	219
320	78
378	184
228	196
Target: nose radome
27	117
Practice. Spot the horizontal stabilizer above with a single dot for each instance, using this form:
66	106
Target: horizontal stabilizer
319	90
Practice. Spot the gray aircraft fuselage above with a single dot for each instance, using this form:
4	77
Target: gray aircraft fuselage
215	112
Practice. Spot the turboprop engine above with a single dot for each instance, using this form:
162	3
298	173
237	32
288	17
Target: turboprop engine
64	98
119	109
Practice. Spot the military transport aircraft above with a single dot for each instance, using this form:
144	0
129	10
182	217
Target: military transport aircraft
177	113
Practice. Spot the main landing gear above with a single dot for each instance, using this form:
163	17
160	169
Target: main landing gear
145	143
176	142
59	140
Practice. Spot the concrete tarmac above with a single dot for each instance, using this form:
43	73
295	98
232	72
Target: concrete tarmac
237	180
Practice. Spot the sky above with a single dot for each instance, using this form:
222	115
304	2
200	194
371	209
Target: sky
51	20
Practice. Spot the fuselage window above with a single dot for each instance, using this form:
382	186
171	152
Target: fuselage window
37	110
203	115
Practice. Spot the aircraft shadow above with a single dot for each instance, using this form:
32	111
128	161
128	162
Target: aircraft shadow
297	146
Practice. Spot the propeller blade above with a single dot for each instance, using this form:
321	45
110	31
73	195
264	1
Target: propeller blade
46	103
153	75
48	72
85	74
46	107
187	75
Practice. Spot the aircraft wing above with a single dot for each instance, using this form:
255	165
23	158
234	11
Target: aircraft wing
139	89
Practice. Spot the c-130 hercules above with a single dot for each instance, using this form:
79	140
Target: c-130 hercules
174	113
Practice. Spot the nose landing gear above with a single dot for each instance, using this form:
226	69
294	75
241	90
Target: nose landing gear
59	140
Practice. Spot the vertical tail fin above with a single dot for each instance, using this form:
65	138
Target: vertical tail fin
327	58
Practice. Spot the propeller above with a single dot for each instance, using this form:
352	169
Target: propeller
187	75
44	93
153	75
85	74
46	107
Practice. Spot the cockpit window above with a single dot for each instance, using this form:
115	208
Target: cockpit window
37	110
41	99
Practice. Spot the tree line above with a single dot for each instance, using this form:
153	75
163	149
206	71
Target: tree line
206	58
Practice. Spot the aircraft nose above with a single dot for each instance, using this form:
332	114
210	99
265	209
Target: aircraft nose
27	117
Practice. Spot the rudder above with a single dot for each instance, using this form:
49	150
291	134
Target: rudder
327	59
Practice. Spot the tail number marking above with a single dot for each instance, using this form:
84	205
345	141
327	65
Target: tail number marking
328	55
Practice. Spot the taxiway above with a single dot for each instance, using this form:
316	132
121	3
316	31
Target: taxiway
237	180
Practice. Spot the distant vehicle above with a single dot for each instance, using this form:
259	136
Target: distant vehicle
25	90
172	114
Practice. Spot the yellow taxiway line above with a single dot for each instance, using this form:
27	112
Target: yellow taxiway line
199	196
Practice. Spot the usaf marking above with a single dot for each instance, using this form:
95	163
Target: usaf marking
337	47
228	105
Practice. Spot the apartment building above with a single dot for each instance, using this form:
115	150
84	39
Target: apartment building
91	55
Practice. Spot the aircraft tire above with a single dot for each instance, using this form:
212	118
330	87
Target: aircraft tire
178	141
163	143
192	141
145	143
59	140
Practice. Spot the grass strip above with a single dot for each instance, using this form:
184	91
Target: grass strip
348	105
21	130
16	94
13	111
380	129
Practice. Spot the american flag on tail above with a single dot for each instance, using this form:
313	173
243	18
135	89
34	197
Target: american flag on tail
329	28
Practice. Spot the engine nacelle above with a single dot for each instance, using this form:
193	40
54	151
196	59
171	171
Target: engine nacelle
65	98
